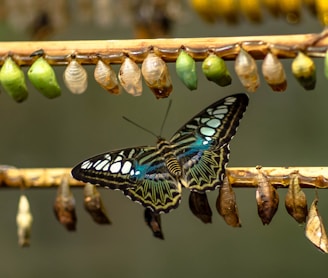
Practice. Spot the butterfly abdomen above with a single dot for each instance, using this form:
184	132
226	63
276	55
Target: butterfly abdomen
170	159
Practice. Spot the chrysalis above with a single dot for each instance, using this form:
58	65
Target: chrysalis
157	76
215	69
295	200
106	78
153	221
274	73
130	77
303	69
94	205
75	77
24	221
200	207
186	70
314	229
267	198
13	80
246	70
64	206
43	78
226	204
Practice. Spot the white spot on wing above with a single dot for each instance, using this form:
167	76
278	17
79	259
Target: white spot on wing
126	167
108	156
204	120
215	123
115	167
86	164
230	100
101	165
118	158
207	131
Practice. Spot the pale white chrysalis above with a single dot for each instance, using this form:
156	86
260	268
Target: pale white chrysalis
130	77
75	77
24	221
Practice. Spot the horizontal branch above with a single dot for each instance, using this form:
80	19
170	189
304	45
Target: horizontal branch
113	51
238	176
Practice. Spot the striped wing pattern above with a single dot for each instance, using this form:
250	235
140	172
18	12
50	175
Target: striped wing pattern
195	157
202	145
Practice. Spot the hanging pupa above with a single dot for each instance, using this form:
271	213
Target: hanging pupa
153	221
13	80
226	204
215	69
75	77
64	207
43	78
186	70
200	207
246	70
303	69
130	77
157	76
274	73
106	78
94	205
24	221
314	229
267	198
295	200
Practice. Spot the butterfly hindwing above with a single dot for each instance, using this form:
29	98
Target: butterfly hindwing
202	144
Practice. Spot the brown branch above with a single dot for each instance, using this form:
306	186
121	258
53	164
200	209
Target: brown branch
113	51
238	177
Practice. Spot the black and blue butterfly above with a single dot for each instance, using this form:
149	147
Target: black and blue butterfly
195	158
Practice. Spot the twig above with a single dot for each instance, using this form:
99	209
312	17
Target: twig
89	51
239	177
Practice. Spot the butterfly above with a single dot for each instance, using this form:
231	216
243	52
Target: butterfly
195	158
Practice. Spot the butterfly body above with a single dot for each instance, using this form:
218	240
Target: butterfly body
195	158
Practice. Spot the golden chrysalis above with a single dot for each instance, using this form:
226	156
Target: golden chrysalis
156	75
94	205
64	206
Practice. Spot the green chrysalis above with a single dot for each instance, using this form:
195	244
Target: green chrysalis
214	68
43	78
186	70
13	80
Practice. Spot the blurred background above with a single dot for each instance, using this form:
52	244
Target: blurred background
279	129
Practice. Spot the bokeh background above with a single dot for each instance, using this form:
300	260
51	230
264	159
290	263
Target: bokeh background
279	129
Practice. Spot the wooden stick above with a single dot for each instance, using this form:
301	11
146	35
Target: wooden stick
114	51
238	176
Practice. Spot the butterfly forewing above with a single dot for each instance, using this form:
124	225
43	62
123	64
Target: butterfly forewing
195	157
202	144
139	172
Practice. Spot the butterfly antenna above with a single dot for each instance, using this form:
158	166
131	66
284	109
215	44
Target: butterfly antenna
143	128
165	117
